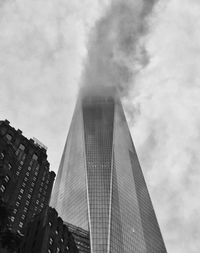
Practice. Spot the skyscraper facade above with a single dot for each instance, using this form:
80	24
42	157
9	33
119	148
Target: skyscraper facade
46	233
25	179
100	186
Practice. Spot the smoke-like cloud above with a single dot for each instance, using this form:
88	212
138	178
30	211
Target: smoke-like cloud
155	63
116	51
165	124
157	74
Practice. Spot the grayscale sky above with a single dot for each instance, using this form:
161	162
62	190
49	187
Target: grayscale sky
148	48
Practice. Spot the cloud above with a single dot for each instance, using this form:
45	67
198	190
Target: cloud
115	50
165	126
154	59
42	46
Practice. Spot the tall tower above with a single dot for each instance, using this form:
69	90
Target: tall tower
25	179
100	186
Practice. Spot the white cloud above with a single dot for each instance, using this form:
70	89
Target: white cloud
43	45
166	99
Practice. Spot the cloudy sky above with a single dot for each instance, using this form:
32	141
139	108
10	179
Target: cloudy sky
150	49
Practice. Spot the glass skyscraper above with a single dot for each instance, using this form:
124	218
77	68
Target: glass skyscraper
100	186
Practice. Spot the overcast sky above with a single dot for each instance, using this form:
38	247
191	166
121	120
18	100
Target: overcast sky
45	54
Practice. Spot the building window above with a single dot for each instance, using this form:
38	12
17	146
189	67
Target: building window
9	166
58	250
1	156
21	147
22	191
9	137
27	173
19	197
49	251
50	224
25	179
23	216
2	188
21	224
14	210
23	157
29	196
50	241
29	168
17	203
35	157
6	179
12	218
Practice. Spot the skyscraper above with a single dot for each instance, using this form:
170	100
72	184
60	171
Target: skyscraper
100	186
46	233
25	179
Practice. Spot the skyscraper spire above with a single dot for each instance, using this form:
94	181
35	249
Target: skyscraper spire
100	186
